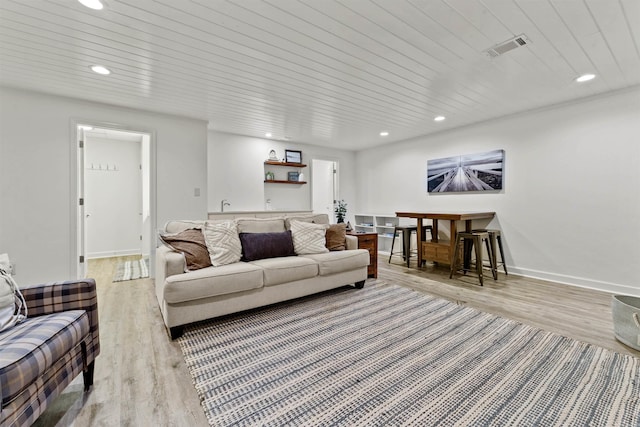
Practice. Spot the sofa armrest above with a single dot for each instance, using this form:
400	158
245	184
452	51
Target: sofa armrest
168	263
351	243
56	297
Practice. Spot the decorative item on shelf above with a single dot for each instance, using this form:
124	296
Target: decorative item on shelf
269	176
300	176
272	156
340	209
349	228
293	156
292	176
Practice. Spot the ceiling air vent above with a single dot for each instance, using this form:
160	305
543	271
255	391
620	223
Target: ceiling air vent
506	46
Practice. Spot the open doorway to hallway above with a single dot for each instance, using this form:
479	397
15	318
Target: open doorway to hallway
114	175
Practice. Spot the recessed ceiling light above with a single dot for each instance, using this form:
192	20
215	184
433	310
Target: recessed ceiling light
268	134
585	78
100	69
92	4
384	133
439	118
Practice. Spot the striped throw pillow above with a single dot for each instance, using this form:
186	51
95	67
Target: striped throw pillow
308	238
222	242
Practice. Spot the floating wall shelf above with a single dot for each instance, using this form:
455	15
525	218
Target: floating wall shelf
275	181
291	165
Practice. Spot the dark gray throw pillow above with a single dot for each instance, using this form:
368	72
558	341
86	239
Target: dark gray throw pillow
257	246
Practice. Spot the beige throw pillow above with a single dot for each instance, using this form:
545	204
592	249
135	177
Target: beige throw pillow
222	242
308	238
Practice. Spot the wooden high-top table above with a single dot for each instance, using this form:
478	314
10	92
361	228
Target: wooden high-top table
442	250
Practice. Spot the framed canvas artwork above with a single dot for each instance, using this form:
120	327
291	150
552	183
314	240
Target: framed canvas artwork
473	172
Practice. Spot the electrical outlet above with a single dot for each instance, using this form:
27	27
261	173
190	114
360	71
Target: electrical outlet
196	192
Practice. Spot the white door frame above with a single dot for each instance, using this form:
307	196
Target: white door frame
76	175
336	190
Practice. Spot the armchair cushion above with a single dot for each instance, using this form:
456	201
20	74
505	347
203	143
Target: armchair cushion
29	349
40	357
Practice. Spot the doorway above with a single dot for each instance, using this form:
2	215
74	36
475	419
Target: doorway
115	215
324	191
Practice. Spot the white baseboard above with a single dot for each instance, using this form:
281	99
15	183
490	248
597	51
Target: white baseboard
109	254
581	282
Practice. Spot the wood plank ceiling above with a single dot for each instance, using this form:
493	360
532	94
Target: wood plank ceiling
331	72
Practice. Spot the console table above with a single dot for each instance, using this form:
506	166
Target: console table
369	241
442	250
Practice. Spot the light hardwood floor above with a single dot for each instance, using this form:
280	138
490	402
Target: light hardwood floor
141	378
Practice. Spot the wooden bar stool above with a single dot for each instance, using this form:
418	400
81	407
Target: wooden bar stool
406	239
495	236
469	240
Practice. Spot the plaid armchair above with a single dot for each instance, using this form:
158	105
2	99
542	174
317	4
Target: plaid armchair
41	356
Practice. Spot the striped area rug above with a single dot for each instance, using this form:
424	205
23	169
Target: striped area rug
390	356
131	270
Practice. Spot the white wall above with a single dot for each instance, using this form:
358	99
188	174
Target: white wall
571	198
113	197
37	223
236	173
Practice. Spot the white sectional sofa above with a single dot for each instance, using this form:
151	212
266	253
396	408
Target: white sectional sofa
190	296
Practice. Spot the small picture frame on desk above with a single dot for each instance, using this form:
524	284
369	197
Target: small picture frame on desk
292	156
292	176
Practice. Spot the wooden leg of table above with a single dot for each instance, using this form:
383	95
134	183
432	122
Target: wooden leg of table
419	240
453	229
434	232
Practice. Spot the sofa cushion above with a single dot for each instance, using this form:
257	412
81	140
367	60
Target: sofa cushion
257	246
260	225
283	270
177	226
222	242
212	281
316	219
337	262
30	348
308	238
191	244
336	237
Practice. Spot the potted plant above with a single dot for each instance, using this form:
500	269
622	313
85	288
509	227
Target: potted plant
340	209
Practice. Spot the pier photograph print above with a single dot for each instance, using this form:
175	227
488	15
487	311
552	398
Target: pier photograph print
474	172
